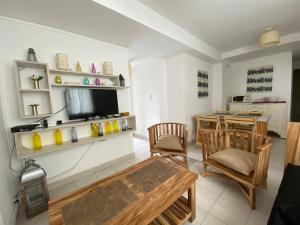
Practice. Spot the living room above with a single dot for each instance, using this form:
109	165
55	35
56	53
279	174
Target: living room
90	89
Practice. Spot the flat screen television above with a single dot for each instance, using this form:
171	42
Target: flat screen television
86	103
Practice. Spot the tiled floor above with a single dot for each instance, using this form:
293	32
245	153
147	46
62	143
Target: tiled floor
219	201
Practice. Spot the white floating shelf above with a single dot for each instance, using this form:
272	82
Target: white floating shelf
88	86
24	152
35	90
74	73
29	64
37	116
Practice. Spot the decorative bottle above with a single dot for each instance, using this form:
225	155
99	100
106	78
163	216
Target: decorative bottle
107	127
86	81
116	126
94	130
124	125
100	129
37	142
78	67
93	68
58	137
74	134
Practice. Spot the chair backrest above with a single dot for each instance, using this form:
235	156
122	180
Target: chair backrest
162	129
292	150
204	122
242	123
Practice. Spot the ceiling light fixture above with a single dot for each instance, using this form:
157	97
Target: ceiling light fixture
269	38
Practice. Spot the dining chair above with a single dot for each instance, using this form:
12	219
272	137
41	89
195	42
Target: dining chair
206	122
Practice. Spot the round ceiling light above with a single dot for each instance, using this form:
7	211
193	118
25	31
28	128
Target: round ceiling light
269	38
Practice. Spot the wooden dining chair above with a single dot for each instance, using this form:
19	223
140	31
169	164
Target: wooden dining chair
292	153
206	122
240	123
169	139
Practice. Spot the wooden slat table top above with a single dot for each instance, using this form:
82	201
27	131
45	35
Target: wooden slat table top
136	195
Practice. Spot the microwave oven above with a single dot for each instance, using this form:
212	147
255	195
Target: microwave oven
241	98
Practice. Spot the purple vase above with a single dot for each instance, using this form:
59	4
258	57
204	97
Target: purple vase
93	68
97	81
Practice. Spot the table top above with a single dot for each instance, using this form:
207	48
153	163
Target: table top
135	195
259	118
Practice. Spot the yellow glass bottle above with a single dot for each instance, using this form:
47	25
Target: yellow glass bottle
94	130
58	137
37	142
116	126
107	127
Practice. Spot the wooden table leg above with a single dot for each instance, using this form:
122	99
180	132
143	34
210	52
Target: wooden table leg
192	201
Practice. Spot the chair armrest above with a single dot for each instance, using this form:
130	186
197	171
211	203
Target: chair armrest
262	163
185	140
151	133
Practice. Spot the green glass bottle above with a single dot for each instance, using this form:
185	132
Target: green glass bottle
37	142
94	130
58	137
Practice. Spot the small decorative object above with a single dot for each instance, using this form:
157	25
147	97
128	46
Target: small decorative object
58	79
34	189
74	135
93	68
62	62
107	127
97	81
58	137
36	141
86	81
36	81
31	56
124	125
78	67
94	129
122	80
116	126
124	114
58	122
202	84
100	129
260	79
34	109
107	68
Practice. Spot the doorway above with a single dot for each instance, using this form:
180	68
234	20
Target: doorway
295	111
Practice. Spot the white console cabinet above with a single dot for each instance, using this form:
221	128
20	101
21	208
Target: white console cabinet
277	111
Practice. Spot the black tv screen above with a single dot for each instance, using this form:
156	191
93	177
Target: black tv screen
85	103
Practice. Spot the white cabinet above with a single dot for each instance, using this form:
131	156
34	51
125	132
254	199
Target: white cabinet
277	111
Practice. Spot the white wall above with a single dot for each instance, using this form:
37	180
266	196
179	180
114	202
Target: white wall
192	104
149	89
16	38
236	74
217	86
8	187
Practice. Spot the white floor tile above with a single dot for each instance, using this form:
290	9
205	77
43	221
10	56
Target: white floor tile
211	220
205	199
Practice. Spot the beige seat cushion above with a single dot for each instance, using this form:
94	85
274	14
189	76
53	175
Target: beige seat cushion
236	159
169	142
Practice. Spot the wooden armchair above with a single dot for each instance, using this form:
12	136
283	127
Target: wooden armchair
240	155
169	139
292	144
206	122
240	123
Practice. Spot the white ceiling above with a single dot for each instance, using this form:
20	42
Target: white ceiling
87	18
224	24
230	24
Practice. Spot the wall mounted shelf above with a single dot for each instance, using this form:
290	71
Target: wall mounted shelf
85	74
88	86
26	92
24	139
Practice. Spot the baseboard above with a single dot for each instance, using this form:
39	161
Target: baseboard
83	173
140	136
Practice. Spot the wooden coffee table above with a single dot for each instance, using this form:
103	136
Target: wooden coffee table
150	192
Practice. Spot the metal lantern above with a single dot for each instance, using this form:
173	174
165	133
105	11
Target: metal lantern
34	188
31	56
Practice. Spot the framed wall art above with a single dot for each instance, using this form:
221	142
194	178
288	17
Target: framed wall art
202	84
260	79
